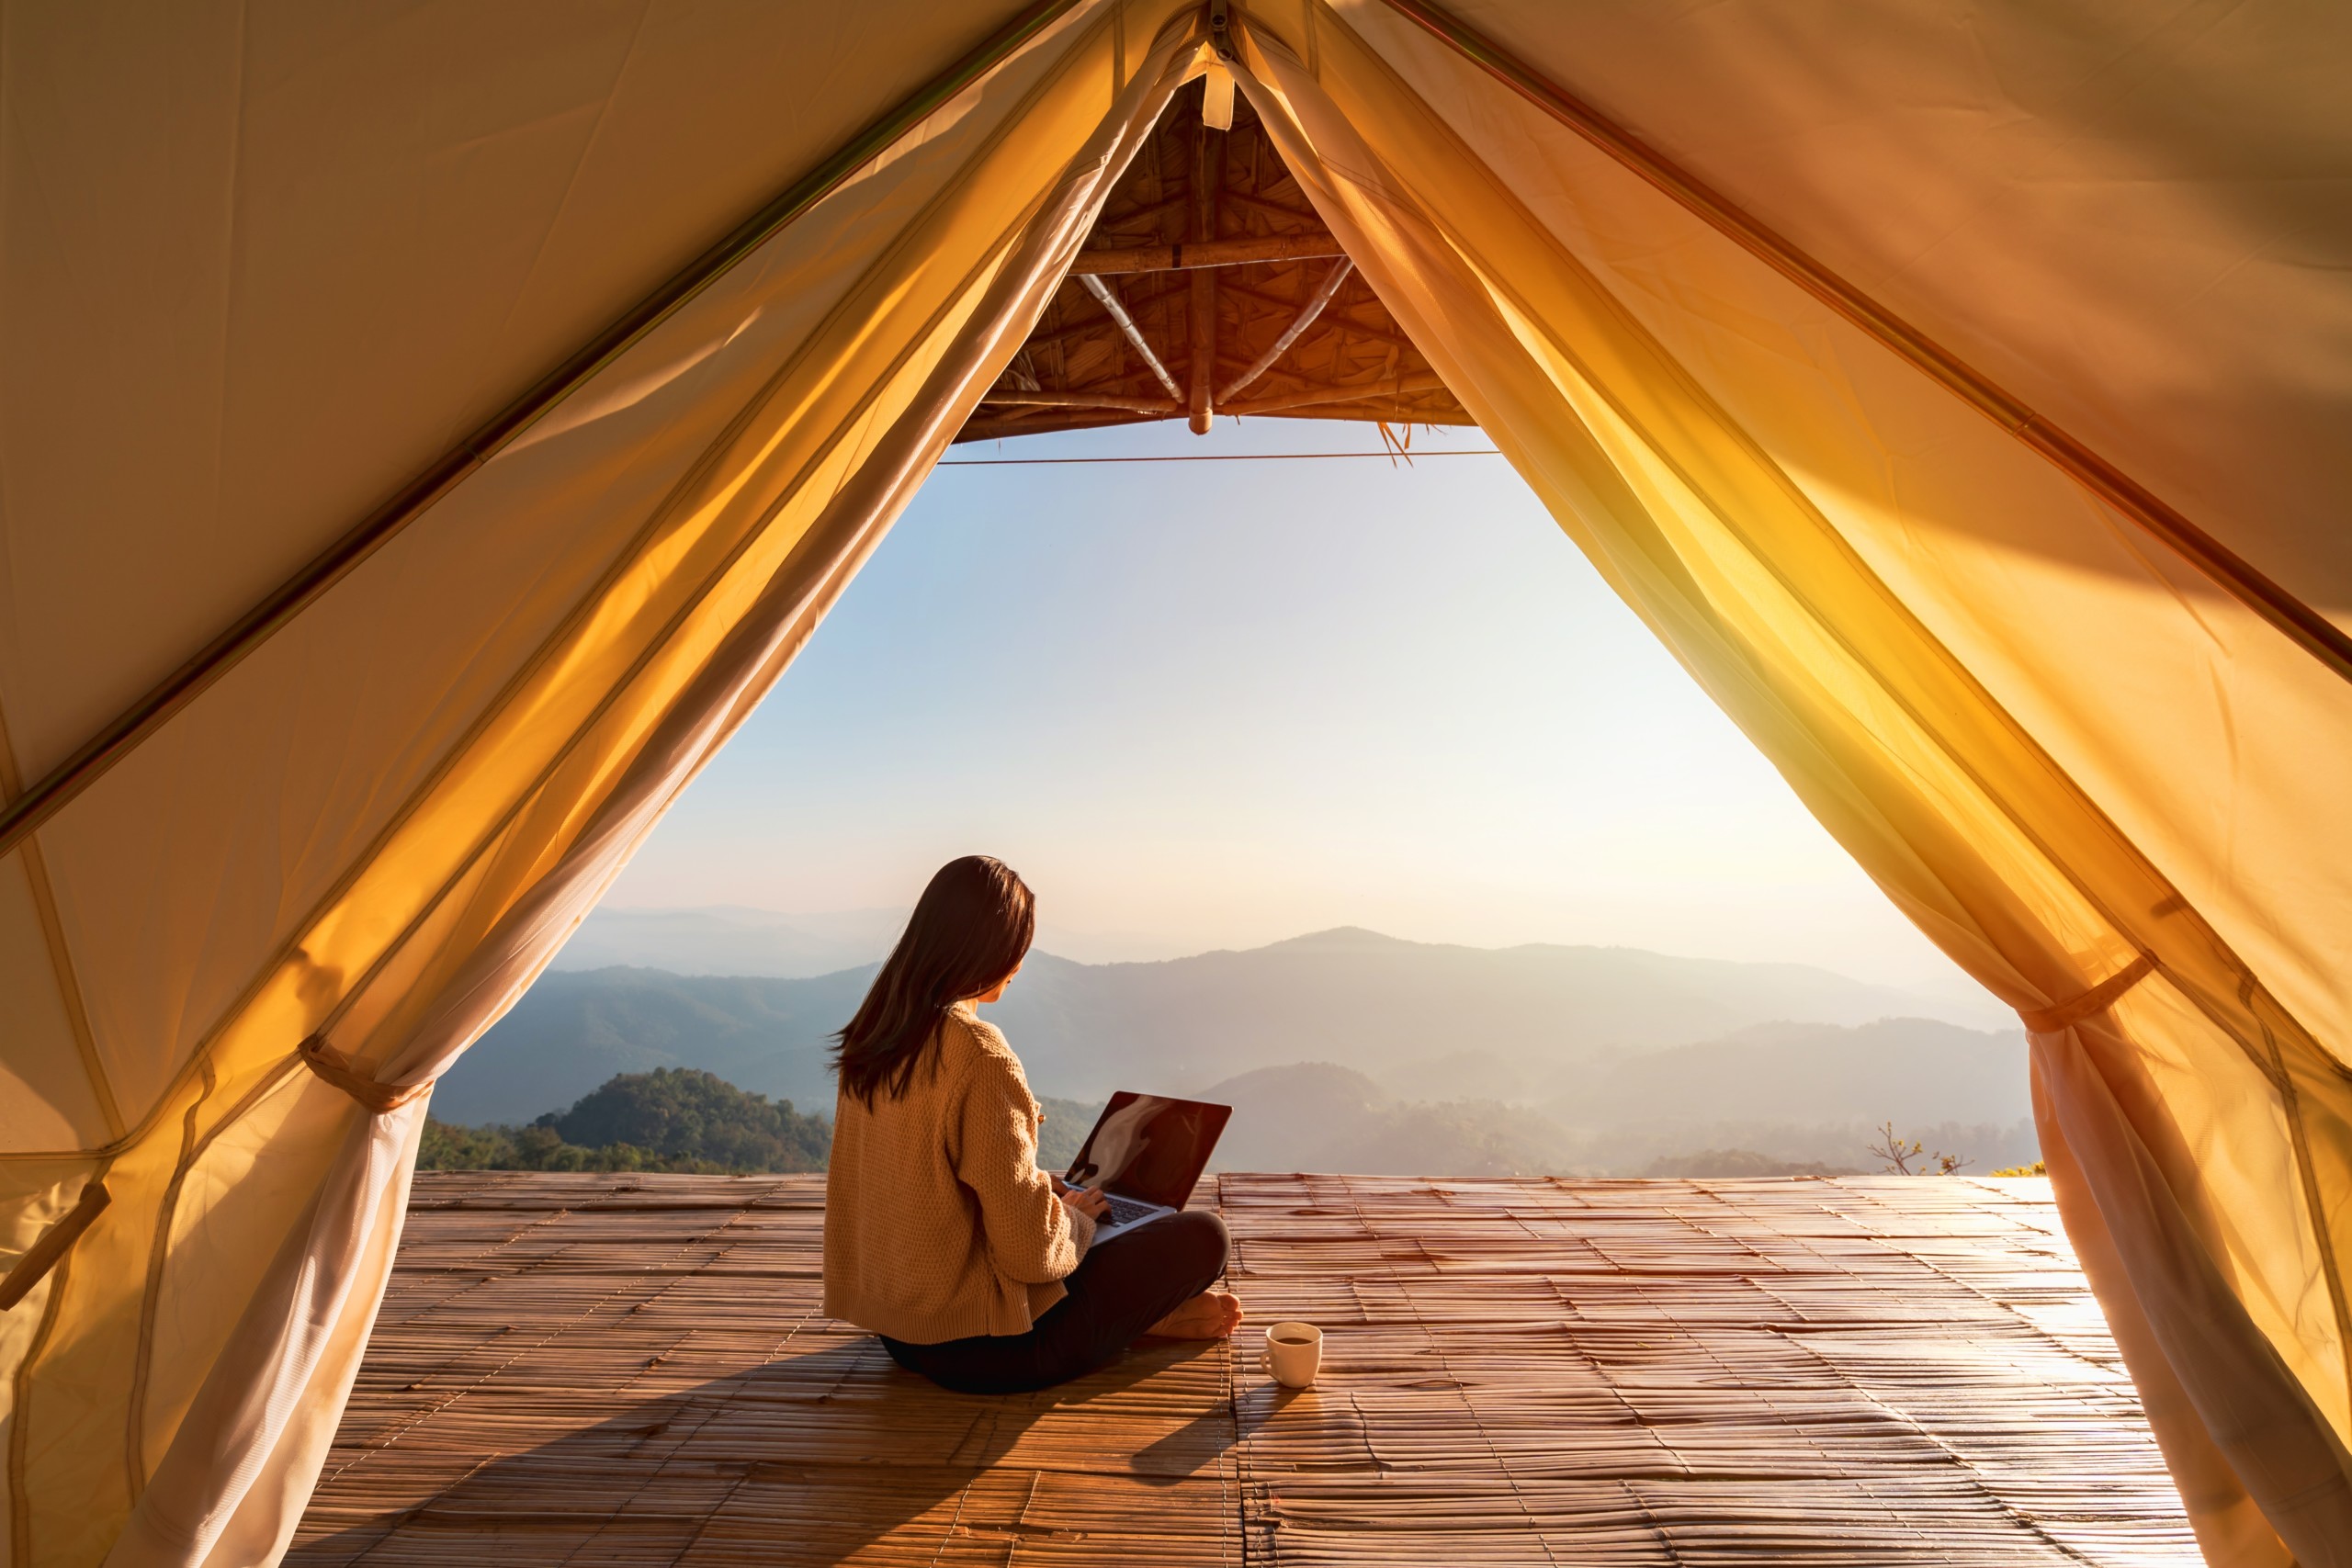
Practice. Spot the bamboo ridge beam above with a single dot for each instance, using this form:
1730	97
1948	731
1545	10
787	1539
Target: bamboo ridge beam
2227	570
1396	386
1085	401
1207	253
124	733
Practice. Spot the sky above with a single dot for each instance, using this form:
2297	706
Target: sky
1208	705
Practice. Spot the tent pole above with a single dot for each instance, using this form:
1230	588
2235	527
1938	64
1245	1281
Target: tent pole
1208	173
2241	579
1298	324
86	763
1109	300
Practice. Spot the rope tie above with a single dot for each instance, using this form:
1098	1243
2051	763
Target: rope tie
2098	999
337	1068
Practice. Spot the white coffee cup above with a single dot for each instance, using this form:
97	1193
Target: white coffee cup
1294	1353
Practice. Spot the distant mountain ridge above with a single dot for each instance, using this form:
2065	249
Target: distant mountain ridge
1540	1031
732	940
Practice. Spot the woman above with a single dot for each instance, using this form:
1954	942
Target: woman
942	1235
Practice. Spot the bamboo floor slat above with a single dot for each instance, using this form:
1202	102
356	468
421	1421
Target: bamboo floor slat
596	1370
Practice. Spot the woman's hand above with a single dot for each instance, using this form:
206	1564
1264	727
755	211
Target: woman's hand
1061	1186
1078	1200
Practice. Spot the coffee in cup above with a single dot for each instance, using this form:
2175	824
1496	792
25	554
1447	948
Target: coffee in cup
1294	1353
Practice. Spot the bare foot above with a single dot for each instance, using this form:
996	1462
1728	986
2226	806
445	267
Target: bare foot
1212	1314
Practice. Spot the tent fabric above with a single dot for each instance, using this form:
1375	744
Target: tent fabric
1970	668
259	264
380	825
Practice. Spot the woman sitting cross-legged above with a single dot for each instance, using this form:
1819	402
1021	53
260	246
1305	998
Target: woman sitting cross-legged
942	1235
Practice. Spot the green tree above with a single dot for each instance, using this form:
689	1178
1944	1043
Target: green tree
668	1120
685	1117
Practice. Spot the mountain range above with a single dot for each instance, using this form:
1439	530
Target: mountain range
731	939
1351	1050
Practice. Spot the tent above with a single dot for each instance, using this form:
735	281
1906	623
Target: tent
430	428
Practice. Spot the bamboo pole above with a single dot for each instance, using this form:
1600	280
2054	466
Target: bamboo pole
1208	173
1126	324
1200	253
1396	386
1086	401
1299	323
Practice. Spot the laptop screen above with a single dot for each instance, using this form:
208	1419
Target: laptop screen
1149	1148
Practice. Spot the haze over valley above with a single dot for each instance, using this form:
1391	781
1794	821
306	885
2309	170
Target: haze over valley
1340	1050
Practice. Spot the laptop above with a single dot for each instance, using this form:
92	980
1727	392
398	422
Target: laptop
1144	1154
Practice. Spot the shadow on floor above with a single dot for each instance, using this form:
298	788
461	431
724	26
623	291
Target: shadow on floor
809	1459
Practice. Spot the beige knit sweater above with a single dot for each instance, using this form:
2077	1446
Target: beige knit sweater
938	1223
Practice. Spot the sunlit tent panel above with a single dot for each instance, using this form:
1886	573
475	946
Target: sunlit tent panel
261	270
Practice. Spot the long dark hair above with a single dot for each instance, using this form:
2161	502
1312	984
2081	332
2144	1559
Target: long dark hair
970	929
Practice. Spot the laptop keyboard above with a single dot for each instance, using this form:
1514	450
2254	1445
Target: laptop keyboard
1127	1211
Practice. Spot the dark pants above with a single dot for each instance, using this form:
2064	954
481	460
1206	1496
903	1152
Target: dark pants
1122	1287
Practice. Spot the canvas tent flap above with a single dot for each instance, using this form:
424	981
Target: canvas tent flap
378	825
2134	218
1829	541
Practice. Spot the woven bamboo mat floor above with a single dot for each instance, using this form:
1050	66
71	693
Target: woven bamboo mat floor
590	1370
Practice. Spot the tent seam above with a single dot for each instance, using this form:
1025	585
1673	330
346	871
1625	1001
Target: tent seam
158	1252
571	184
61	957
2315	1208
69	984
